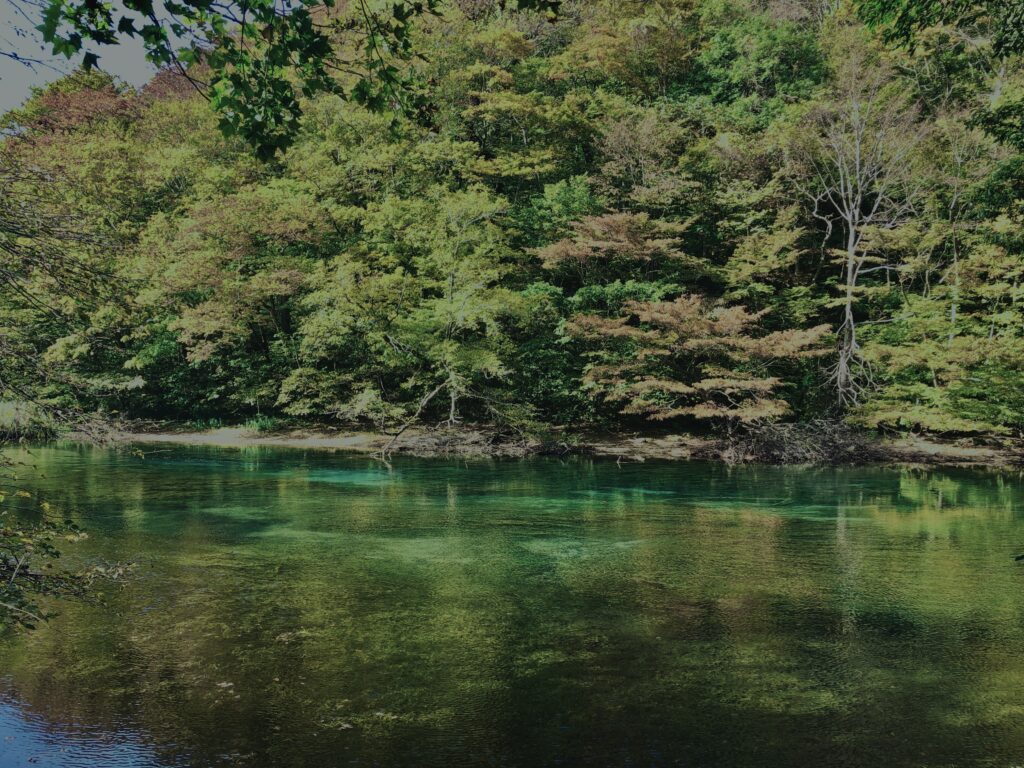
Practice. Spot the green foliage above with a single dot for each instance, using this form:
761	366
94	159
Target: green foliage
262	424
203	425
903	20
639	211
751	66
24	421
28	555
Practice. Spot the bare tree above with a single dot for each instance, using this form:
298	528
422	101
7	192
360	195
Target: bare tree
853	159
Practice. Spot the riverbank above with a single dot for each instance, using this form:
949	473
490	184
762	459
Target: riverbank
469	441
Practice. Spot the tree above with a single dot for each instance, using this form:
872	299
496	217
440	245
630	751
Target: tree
44	257
454	330
416	315
691	358
902	21
645	47
44	262
527	248
949	358
614	246
853	159
995	24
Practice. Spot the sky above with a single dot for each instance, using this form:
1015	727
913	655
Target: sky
125	60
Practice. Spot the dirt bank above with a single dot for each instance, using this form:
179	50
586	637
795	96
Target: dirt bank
623	447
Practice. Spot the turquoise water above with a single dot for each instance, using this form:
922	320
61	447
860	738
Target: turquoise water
296	608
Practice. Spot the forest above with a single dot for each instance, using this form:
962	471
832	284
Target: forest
696	216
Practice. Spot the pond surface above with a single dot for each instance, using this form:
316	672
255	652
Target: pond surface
295	608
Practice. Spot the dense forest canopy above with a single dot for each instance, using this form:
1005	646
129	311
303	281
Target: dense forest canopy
700	214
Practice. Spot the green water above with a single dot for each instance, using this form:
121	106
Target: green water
310	609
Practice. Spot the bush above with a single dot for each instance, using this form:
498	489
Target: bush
24	421
261	424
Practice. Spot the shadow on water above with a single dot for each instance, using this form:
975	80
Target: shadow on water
299	609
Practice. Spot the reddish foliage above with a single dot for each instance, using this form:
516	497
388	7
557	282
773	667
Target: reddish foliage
169	83
690	358
64	112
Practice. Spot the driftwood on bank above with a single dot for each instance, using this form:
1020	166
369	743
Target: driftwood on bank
820	442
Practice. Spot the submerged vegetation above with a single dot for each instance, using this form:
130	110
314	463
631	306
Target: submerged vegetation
702	215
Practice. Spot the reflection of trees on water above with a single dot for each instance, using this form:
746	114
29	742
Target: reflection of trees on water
303	608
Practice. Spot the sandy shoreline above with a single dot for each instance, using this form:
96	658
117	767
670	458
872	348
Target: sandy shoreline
470	442
418	442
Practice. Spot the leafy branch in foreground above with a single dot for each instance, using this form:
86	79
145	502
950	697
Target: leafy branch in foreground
261	55
30	572
28	555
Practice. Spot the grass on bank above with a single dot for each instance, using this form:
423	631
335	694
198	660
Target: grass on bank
24	421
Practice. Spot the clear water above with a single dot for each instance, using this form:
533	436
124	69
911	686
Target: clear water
313	609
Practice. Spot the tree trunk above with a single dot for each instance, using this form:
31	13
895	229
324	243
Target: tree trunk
846	387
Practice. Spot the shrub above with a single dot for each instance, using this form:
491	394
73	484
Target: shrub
24	421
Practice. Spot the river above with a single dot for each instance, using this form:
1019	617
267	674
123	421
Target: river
303	608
